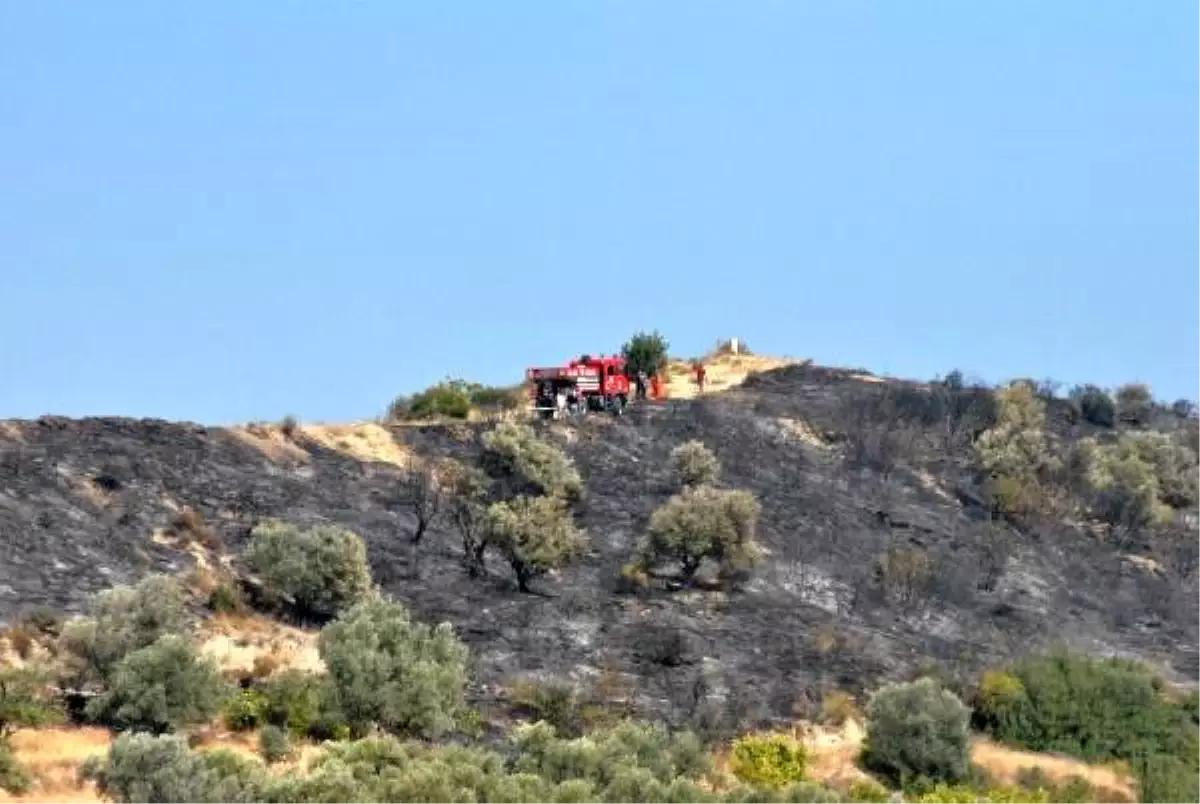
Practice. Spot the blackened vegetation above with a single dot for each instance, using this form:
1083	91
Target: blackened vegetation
881	549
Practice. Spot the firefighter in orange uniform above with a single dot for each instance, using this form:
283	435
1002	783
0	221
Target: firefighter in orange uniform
701	376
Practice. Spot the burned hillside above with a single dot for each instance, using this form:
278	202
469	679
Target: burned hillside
887	548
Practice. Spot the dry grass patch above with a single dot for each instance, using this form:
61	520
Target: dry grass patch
723	371
53	756
364	441
271	441
256	646
1004	763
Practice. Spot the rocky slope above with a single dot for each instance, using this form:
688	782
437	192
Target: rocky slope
88	503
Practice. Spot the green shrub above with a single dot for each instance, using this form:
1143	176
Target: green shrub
965	794
525	464
142	767
160	688
226	598
535	535
121	620
645	351
13	777
704	523
600	756
297	701
1135	403
1125	485
556	704
449	399
26	701
694	464
869	791
1139	478
406	677
1094	405
319	571
1014	454
274	744
1096	709
1173	465
497	399
772	760
916	730
246	710
1167	778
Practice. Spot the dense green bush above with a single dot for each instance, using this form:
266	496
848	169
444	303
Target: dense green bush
14	778
454	399
142	767
1094	405
1097	709
26	700
1135	403
534	534
1014	454
1136	480
525	464
299	702
121	620
772	760
406	677
917	730
704	523
319	571
159	688
449	398
694	464
600	757
275	744
245	710
1166	778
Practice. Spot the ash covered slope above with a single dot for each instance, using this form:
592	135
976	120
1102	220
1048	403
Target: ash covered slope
88	503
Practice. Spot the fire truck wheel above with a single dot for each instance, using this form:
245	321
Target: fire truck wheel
619	405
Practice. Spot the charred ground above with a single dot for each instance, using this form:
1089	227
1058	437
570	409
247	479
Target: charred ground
847	468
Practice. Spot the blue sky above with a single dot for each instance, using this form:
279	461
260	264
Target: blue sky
225	211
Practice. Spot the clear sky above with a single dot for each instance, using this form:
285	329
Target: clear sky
224	211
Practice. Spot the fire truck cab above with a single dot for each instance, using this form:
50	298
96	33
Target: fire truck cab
585	384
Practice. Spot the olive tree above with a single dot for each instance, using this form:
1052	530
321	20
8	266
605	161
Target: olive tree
534	534
404	676
120	620
522	463
704	523
159	688
917	729
645	351
319	571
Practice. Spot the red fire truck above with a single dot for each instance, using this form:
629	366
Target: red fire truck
587	384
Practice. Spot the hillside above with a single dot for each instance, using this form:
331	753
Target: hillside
88	503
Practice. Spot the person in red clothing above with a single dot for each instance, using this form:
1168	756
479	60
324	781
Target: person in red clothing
701	376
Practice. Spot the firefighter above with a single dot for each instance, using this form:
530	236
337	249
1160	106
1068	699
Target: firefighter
701	376
641	384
